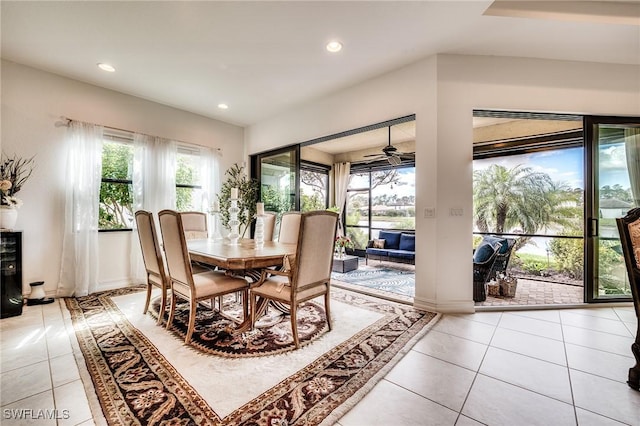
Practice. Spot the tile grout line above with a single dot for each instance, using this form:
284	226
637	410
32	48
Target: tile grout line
477	372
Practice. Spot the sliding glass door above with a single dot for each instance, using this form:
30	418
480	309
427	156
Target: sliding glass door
277	172
613	188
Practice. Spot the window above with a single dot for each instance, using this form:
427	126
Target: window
314	186
116	189
379	198
189	194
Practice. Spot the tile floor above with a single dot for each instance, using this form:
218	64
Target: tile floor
546	367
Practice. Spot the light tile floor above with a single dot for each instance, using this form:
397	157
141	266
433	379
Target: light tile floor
546	367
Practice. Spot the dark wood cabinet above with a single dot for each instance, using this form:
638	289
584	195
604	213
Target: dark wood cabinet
11	273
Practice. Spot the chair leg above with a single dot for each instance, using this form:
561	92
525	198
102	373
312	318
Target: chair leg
193	305
172	310
327	308
146	303
294	325
163	305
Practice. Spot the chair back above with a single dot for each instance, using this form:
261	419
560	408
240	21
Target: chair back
314	253
151	254
195	225
629	229
176	251
289	227
269	225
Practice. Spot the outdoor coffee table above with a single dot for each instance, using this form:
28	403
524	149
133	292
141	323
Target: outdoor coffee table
345	264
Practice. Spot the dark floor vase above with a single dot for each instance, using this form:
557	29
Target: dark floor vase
629	228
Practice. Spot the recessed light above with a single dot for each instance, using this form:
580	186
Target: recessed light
223	106
334	46
106	67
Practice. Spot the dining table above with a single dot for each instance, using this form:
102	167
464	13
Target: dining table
243	258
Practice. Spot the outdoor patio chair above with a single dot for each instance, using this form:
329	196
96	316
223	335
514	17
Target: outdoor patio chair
629	228
484	259
503	255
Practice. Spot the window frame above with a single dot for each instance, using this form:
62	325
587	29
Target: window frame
125	139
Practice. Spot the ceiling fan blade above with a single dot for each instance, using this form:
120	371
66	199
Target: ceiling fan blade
374	155
407	154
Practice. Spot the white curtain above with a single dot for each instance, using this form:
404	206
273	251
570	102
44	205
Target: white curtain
341	183
632	145
154	187
211	183
79	270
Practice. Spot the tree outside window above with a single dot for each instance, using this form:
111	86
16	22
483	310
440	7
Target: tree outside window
116	190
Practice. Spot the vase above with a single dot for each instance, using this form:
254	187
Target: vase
340	252
8	217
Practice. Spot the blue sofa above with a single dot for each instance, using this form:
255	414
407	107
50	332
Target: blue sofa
397	247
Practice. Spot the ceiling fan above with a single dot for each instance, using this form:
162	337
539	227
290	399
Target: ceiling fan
391	154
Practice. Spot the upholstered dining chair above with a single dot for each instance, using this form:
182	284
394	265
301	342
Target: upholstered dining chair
184	283
629	229
269	225
195	225
153	262
309	273
289	227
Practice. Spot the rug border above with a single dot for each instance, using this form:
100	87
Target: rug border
97	411
97	415
357	396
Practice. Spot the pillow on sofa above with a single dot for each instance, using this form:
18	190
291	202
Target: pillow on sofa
378	243
408	242
504	244
391	238
483	253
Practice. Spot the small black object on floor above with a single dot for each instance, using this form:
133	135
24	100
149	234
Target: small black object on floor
37	296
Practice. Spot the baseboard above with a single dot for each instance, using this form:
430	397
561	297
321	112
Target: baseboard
114	284
449	307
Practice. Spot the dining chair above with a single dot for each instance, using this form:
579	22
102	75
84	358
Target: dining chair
152	257
629	229
184	283
309	273
195	225
269	225
289	227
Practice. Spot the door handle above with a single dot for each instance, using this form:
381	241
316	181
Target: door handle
592	230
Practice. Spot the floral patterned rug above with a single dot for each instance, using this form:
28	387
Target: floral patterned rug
136	384
271	335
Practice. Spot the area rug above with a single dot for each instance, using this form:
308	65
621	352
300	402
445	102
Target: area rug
143	374
383	278
272	333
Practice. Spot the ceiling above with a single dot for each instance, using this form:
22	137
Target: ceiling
262	58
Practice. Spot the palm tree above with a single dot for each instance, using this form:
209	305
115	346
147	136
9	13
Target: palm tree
518	198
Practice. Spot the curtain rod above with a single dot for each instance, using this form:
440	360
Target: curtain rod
65	121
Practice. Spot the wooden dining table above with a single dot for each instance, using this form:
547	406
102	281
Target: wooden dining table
242	259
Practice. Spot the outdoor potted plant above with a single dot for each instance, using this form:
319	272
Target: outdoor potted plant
14	172
247	197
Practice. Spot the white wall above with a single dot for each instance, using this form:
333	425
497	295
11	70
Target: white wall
443	91
32	101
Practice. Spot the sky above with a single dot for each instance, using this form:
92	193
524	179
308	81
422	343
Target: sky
566	165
